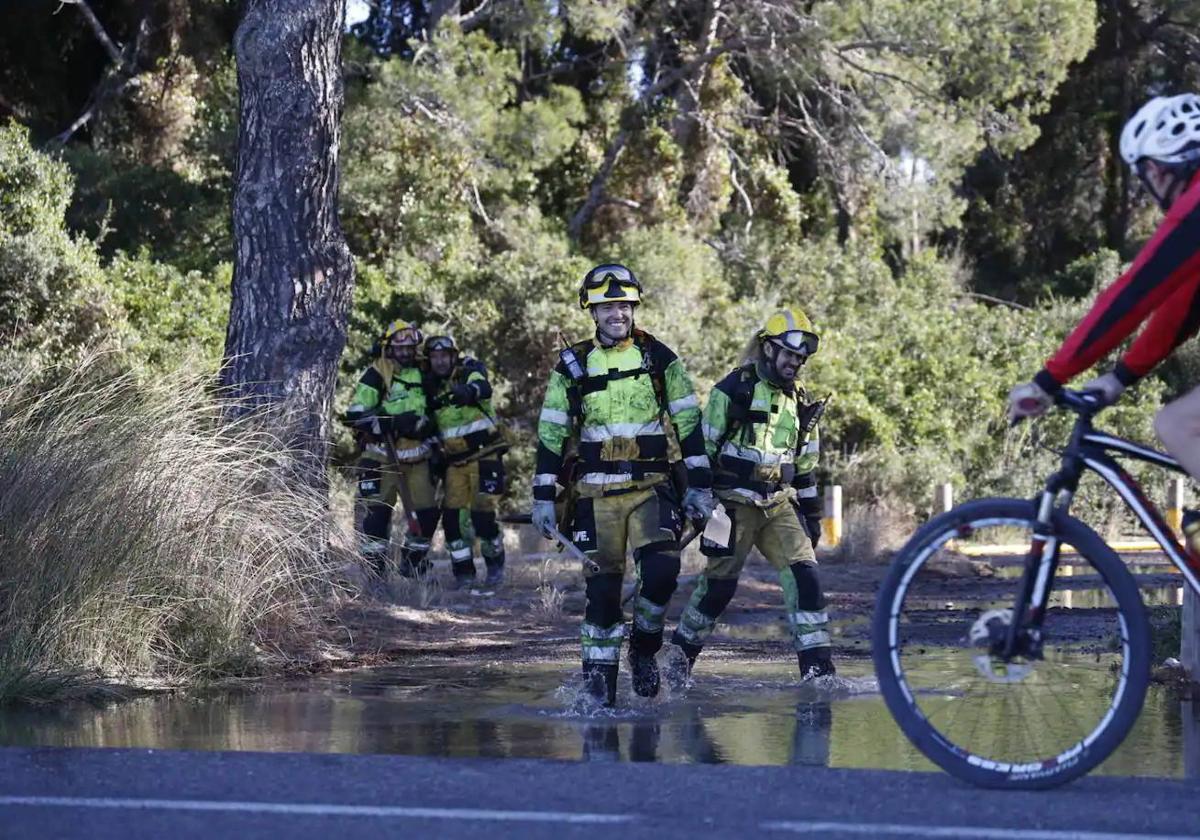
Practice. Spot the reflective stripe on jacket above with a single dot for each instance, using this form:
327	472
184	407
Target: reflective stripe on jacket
387	388
759	453
466	431
622	439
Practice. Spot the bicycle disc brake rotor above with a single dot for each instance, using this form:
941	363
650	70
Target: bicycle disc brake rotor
988	630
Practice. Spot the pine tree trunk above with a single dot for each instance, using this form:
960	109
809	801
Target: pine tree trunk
293	274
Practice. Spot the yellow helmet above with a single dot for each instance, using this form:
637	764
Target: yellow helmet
790	328
609	283
401	332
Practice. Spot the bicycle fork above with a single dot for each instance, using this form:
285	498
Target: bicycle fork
1024	632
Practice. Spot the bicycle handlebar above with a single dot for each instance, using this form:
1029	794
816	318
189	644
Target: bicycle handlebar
1085	403
1081	402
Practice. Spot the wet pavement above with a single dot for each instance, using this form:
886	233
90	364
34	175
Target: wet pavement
737	711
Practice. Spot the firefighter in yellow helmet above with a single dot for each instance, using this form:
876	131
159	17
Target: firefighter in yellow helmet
611	396
760	430
472	444
391	421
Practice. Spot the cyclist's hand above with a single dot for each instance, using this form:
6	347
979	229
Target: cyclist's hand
1027	400
1108	386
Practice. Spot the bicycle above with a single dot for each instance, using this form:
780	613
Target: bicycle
990	712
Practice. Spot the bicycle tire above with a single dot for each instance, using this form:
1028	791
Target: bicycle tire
984	771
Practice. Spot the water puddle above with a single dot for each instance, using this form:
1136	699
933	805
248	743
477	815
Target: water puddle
736	711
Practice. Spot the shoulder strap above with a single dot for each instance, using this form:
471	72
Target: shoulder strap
740	401
658	378
574	390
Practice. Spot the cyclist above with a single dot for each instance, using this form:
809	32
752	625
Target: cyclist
1161	144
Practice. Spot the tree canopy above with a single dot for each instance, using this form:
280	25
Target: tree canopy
936	184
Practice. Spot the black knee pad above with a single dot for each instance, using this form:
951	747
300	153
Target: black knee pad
486	526
377	520
717	596
603	600
808	587
658	566
427	521
451	525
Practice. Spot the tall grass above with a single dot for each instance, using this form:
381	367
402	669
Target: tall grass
142	537
870	533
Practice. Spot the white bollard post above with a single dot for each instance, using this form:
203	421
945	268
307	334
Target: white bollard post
943	498
831	523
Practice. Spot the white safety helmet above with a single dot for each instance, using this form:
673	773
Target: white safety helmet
1166	129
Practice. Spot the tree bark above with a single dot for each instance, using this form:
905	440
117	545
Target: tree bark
293	274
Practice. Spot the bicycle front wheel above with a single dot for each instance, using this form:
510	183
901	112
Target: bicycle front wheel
1033	721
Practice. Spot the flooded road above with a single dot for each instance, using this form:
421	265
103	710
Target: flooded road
735	712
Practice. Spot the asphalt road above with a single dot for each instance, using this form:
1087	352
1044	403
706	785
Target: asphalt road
56	792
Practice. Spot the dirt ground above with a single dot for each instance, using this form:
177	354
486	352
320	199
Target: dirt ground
535	614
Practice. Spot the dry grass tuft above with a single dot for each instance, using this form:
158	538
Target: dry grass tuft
141	536
871	533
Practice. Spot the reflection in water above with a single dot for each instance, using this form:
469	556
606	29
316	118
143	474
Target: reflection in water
1190	712
735	712
814	726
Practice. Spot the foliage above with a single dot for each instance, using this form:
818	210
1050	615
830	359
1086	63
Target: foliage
882	164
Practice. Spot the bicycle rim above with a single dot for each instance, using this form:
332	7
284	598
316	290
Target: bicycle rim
1031	721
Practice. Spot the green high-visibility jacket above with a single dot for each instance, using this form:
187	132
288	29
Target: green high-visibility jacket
387	389
615	413
752	432
466	431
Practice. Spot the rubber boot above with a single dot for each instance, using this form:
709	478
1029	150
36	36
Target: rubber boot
643	667
409	563
376	560
681	658
600	682
644	672
464	574
495	572
816	662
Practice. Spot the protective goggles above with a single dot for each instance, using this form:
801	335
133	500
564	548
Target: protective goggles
619	274
798	341
408	335
440	342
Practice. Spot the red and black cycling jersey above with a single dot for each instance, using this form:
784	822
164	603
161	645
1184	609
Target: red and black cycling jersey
1163	284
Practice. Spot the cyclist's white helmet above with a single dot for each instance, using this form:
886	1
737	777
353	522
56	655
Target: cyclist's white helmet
1167	129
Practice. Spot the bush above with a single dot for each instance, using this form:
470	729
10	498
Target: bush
139	536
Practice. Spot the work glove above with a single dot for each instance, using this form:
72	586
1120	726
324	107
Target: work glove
1028	400
544	517
1109	387
698	504
463	394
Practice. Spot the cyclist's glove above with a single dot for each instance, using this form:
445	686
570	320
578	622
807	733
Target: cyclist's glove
1028	400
